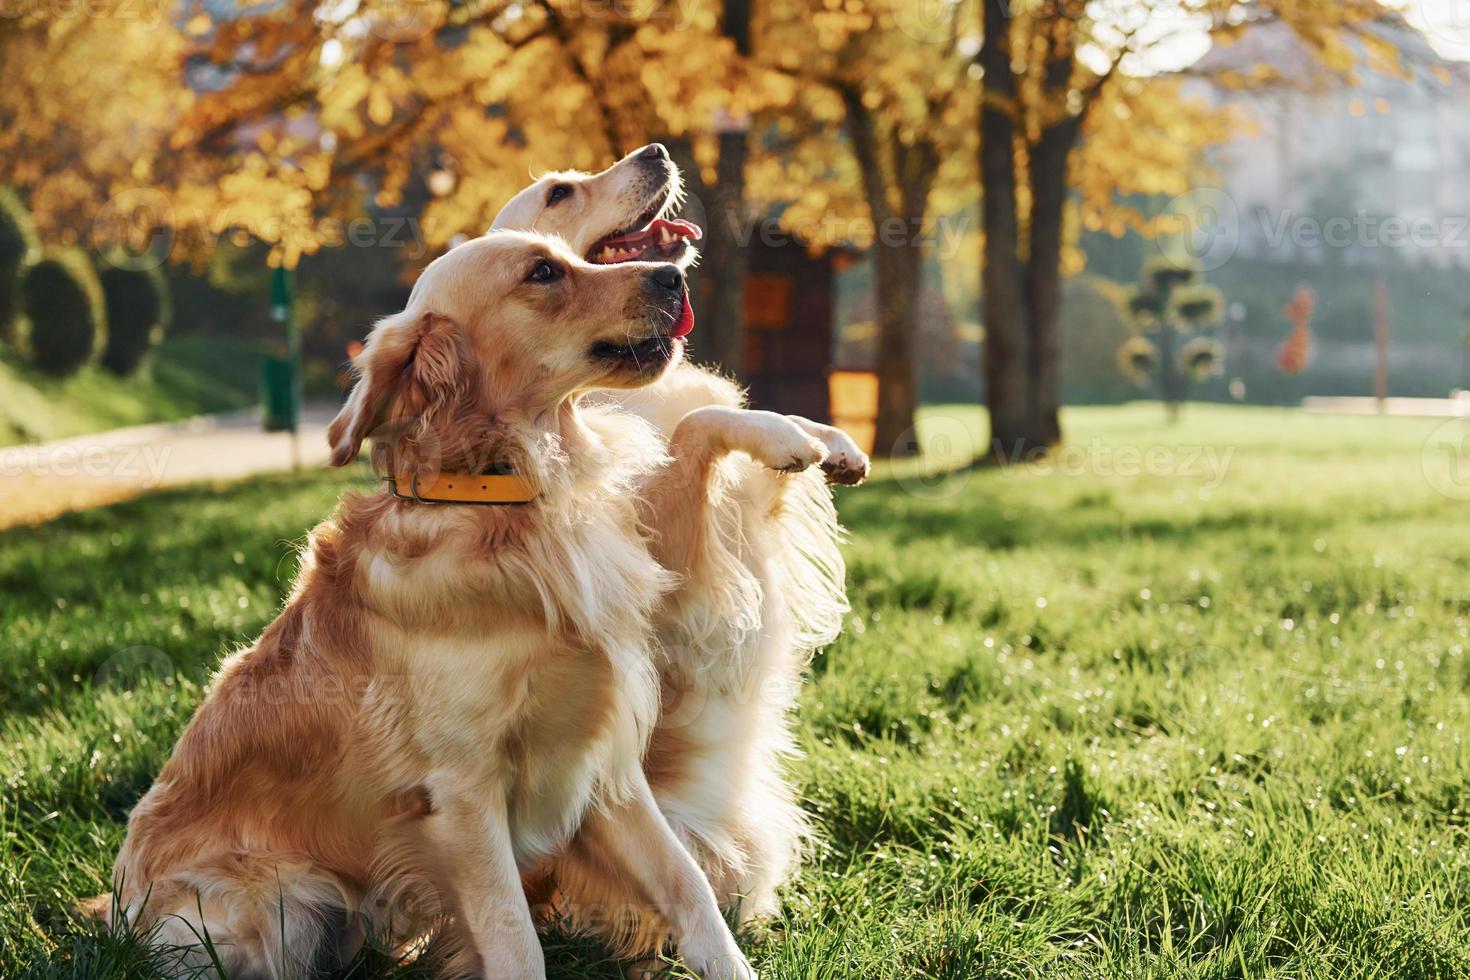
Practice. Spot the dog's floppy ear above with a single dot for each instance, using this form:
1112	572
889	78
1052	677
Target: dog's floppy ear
414	360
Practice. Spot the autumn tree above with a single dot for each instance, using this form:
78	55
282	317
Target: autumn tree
1062	79
896	91
267	121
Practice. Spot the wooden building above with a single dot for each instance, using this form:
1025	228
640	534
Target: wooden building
790	322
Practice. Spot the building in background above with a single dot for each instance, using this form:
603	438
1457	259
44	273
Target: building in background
1372	174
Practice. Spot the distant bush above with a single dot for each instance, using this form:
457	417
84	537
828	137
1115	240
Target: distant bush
1093	327
65	311
17	248
137	310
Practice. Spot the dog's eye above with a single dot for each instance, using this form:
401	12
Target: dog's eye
558	193
545	271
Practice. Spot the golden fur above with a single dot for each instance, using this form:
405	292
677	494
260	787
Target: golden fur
762	587
450	692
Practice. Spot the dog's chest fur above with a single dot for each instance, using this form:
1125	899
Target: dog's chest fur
529	680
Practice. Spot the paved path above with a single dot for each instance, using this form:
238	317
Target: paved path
1443	408
39	482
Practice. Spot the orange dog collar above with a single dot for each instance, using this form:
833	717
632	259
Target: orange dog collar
504	489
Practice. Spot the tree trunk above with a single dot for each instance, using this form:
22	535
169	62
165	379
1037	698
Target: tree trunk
719	295
1171	382
1044	278
899	268
1006	378
720	298
898	264
724	256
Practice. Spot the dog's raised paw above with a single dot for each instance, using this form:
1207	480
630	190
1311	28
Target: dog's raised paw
796	465
845	471
780	444
800	458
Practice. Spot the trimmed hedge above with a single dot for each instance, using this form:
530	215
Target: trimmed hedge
65	311
17	249
137	311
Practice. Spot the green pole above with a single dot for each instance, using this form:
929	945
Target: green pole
283	312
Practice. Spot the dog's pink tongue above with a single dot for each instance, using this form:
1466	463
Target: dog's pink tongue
679	226
686	320
656	233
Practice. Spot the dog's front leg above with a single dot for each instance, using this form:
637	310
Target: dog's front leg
635	839
676	498
471	843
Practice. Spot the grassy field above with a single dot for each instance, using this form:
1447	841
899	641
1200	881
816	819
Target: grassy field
187	376
1194	712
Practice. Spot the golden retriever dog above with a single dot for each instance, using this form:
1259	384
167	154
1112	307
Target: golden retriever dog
762	584
461	678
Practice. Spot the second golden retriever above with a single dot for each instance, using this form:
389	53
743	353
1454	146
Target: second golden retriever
762	584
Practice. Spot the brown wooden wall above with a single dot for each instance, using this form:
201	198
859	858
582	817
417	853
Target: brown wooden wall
789	319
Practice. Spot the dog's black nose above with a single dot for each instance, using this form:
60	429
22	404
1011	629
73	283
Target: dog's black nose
653	151
669	277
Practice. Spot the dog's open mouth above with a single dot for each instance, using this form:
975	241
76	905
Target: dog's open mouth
649	239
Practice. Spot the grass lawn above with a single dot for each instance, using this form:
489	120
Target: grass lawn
1197	713
186	376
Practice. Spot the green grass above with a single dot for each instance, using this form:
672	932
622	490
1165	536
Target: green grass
1081	724
187	376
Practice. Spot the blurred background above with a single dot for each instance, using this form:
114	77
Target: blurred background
1018	206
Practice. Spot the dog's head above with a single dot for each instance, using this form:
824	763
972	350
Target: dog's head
510	324
623	214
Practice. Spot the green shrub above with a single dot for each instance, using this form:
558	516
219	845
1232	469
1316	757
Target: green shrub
17	249
137	310
65	313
